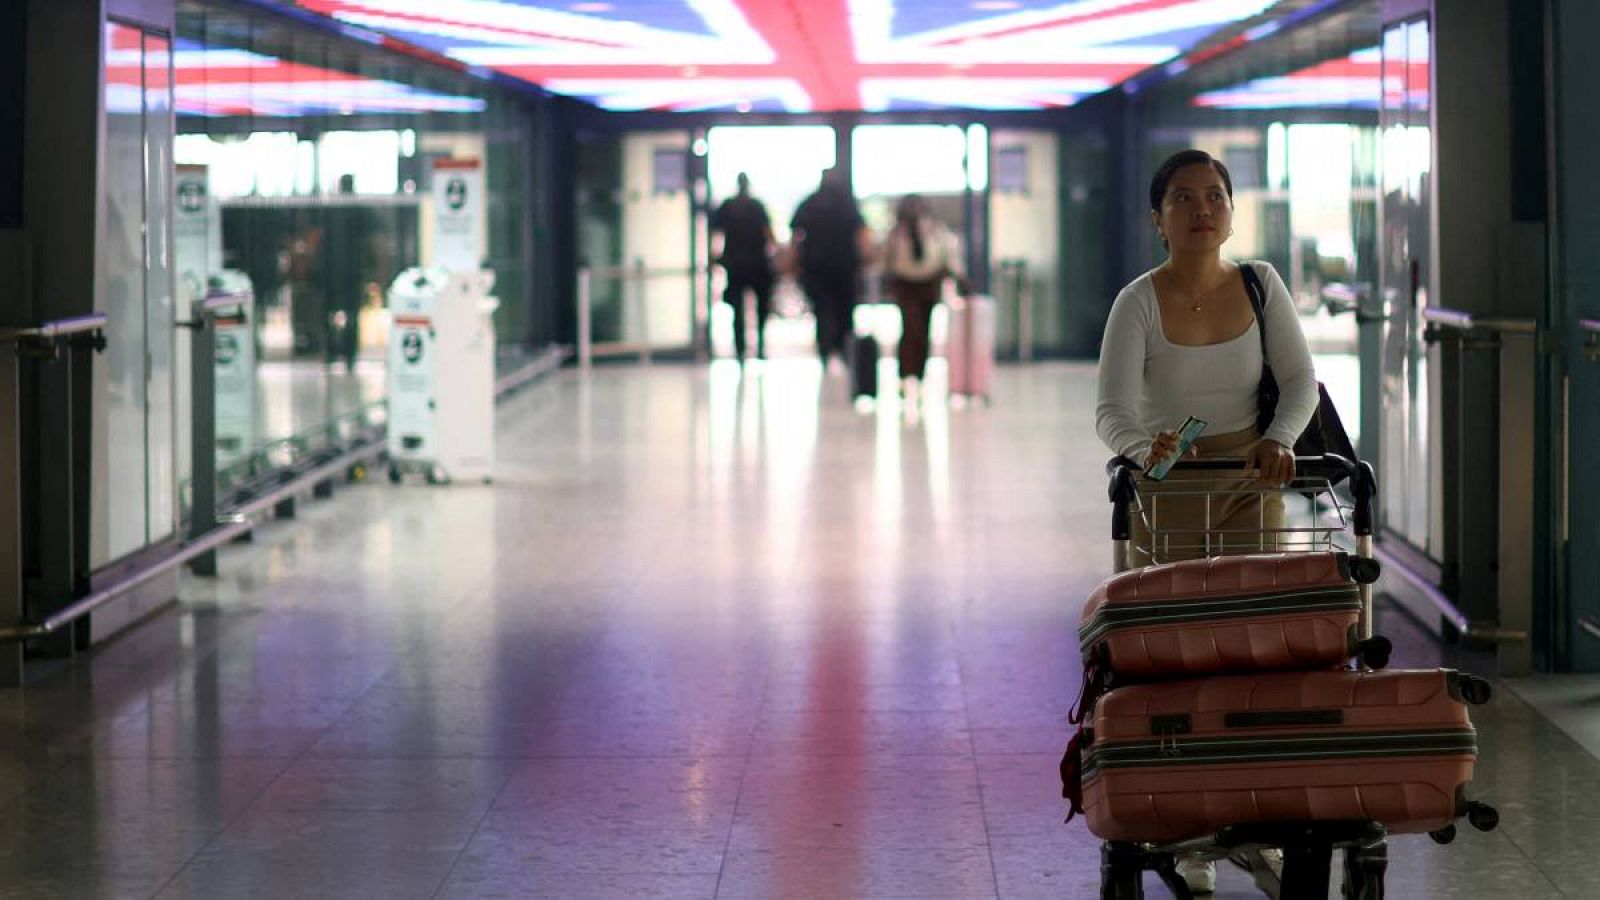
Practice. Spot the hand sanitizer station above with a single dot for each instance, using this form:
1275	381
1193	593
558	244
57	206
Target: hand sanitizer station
442	343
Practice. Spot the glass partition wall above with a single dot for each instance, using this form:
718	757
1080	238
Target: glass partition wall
305	165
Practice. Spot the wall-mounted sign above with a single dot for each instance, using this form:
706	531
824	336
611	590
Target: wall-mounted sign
671	171
457	214
1011	170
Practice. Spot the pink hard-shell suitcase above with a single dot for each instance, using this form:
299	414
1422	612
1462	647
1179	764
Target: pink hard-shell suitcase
969	345
1250	613
1178	760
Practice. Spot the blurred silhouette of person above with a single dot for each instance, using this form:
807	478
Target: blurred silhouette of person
347	263
918	255
746	233
829	233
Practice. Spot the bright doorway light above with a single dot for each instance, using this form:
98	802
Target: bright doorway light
784	162
909	159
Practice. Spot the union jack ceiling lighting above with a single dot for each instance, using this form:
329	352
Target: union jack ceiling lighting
211	81
805	55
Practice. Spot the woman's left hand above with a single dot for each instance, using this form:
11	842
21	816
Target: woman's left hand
1274	461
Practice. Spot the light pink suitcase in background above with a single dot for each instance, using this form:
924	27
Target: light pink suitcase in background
969	346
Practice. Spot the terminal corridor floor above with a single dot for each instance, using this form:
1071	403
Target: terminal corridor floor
704	636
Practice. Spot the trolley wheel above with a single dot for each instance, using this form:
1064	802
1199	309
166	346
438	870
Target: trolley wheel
394	474
437	475
1483	816
1444	835
1364	868
1121	874
1375	652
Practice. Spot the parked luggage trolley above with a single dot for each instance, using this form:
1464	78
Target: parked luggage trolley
1318	522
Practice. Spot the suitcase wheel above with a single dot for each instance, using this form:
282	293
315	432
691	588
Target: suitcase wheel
1483	816
1444	835
1470	688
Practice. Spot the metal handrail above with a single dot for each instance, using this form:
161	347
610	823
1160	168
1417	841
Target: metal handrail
634	275
1590	625
628	273
297	444
239	523
220	302
1460	320
1590	325
56	328
86	605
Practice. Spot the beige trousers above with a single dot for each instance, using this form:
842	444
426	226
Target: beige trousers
1201	514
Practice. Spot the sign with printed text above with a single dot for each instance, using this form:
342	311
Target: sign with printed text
197	241
458	213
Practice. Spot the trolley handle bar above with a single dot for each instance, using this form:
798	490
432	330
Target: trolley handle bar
1124	487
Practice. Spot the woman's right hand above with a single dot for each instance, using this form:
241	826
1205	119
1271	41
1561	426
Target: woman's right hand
1163	445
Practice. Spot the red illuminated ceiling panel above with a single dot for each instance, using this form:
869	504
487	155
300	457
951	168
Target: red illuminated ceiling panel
805	55
1354	82
224	82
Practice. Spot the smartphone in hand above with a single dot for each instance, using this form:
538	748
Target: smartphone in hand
1187	433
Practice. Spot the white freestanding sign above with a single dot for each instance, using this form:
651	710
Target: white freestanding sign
441	374
457	214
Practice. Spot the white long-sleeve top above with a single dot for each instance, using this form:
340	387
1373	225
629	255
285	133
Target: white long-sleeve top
1149	385
941	252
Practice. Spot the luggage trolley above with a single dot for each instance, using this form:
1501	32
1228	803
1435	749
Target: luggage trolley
1328	507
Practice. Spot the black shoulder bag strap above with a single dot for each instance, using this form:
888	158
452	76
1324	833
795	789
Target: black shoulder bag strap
1267	394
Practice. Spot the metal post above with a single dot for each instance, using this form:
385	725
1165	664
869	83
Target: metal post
58	582
641	308
203	435
203	423
1519	358
10	509
1024	312
585	324
1364	549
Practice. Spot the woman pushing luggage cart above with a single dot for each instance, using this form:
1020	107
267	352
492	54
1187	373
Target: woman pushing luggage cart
1234	699
1224	718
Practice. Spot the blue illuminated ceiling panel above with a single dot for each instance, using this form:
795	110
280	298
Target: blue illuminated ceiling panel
805	55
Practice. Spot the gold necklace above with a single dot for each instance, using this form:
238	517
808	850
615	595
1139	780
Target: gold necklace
1200	302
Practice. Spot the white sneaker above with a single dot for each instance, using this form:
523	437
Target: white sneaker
1197	872
911	390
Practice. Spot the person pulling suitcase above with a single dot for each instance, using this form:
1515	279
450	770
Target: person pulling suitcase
919	254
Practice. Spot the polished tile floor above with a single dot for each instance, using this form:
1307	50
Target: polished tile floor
705	636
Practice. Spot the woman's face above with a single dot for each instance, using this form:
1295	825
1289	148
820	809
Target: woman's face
1196	213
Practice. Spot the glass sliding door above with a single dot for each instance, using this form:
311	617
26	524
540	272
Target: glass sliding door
1025	251
1409	437
161	488
134	459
